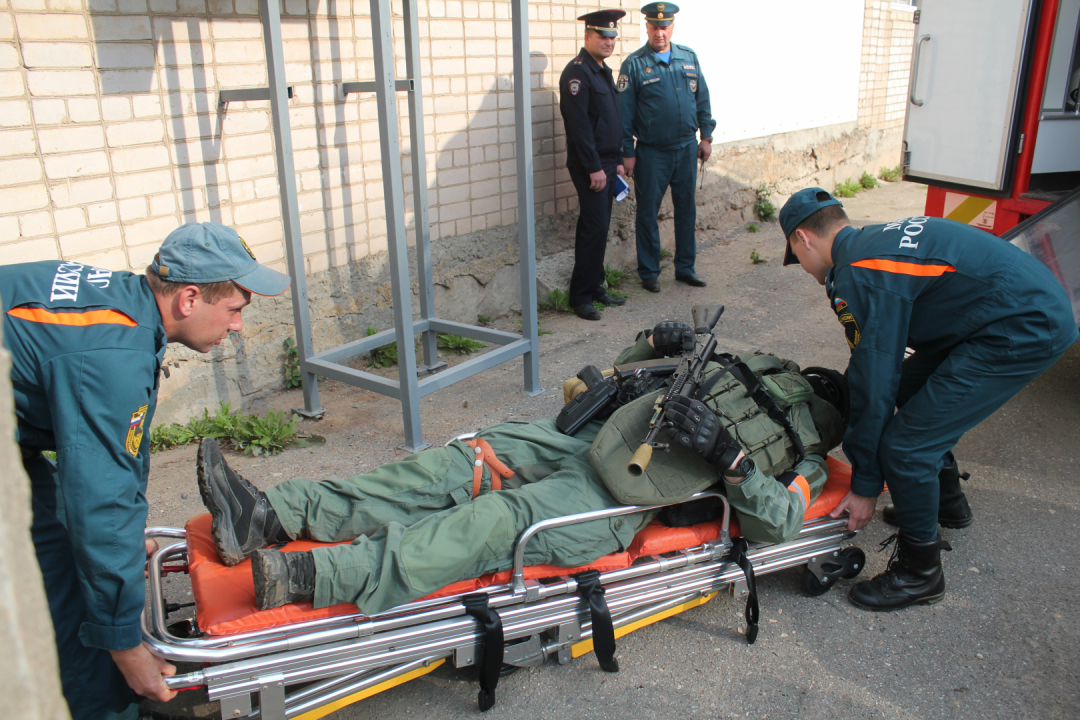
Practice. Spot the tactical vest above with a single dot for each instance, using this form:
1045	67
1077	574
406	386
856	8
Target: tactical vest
675	475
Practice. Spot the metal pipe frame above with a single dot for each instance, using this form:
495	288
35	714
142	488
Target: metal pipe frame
270	12
407	389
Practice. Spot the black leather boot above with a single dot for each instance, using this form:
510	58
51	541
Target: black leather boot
282	578
243	519
953	509
914	576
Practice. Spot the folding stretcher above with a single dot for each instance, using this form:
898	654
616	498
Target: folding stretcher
299	662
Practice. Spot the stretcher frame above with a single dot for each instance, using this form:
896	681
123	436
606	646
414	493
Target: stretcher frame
343	659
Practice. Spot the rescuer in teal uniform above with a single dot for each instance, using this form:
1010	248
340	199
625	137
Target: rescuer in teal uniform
87	346
665	103
983	318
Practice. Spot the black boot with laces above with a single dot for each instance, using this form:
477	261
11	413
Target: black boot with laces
914	576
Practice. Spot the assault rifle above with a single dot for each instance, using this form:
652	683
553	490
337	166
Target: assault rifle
688	378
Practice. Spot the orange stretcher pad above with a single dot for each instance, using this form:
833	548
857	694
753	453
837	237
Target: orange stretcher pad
225	596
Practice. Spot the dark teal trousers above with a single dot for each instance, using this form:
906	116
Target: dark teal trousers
655	171
93	686
942	396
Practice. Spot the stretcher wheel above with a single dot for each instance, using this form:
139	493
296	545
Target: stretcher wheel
814	587
847	564
856	561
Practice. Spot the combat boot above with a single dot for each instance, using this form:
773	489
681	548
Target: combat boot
953	509
914	576
282	578
243	519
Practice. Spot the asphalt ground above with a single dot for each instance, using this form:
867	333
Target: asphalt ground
1002	644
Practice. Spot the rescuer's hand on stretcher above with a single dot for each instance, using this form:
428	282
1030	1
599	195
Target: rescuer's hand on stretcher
860	510
143	671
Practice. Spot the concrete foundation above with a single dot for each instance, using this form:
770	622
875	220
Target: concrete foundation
477	273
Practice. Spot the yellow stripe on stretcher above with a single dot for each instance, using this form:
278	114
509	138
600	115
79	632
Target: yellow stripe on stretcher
374	690
969	209
586	646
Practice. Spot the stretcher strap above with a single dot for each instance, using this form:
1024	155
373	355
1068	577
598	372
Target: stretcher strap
491	652
603	631
738	554
486	456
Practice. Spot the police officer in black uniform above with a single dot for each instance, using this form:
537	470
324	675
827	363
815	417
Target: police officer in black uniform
590	111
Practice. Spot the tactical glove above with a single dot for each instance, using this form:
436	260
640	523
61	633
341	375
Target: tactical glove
672	338
697	428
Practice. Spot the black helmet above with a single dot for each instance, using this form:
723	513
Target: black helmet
831	386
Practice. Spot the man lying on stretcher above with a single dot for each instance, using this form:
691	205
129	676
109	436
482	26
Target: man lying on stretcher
421	523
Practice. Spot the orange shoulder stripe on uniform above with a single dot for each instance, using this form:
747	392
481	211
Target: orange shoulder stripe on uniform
904	268
799	485
80	319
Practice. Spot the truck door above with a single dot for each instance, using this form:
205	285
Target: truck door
965	92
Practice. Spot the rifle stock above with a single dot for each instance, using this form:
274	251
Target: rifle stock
686	381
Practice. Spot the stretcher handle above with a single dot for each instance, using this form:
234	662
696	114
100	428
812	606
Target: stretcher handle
518	580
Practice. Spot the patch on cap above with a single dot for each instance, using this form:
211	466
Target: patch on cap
247	248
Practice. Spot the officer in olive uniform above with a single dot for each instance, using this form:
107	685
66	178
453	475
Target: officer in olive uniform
590	111
434	517
86	346
665	103
983	318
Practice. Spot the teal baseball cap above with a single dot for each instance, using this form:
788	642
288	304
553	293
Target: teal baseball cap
800	206
209	252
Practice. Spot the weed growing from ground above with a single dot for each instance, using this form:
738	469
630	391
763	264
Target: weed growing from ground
254	435
385	356
889	174
755	258
458	344
292	364
614	277
847	189
868	181
557	301
763	207
666	254
752	227
539	328
483	319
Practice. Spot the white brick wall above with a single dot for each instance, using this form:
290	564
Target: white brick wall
110	135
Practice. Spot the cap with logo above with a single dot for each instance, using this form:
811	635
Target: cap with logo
660	14
603	22
209	252
800	206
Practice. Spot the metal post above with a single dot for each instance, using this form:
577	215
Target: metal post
290	214
420	200
525	209
382	35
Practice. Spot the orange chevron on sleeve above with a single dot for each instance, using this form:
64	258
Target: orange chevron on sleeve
79	319
800	486
904	268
